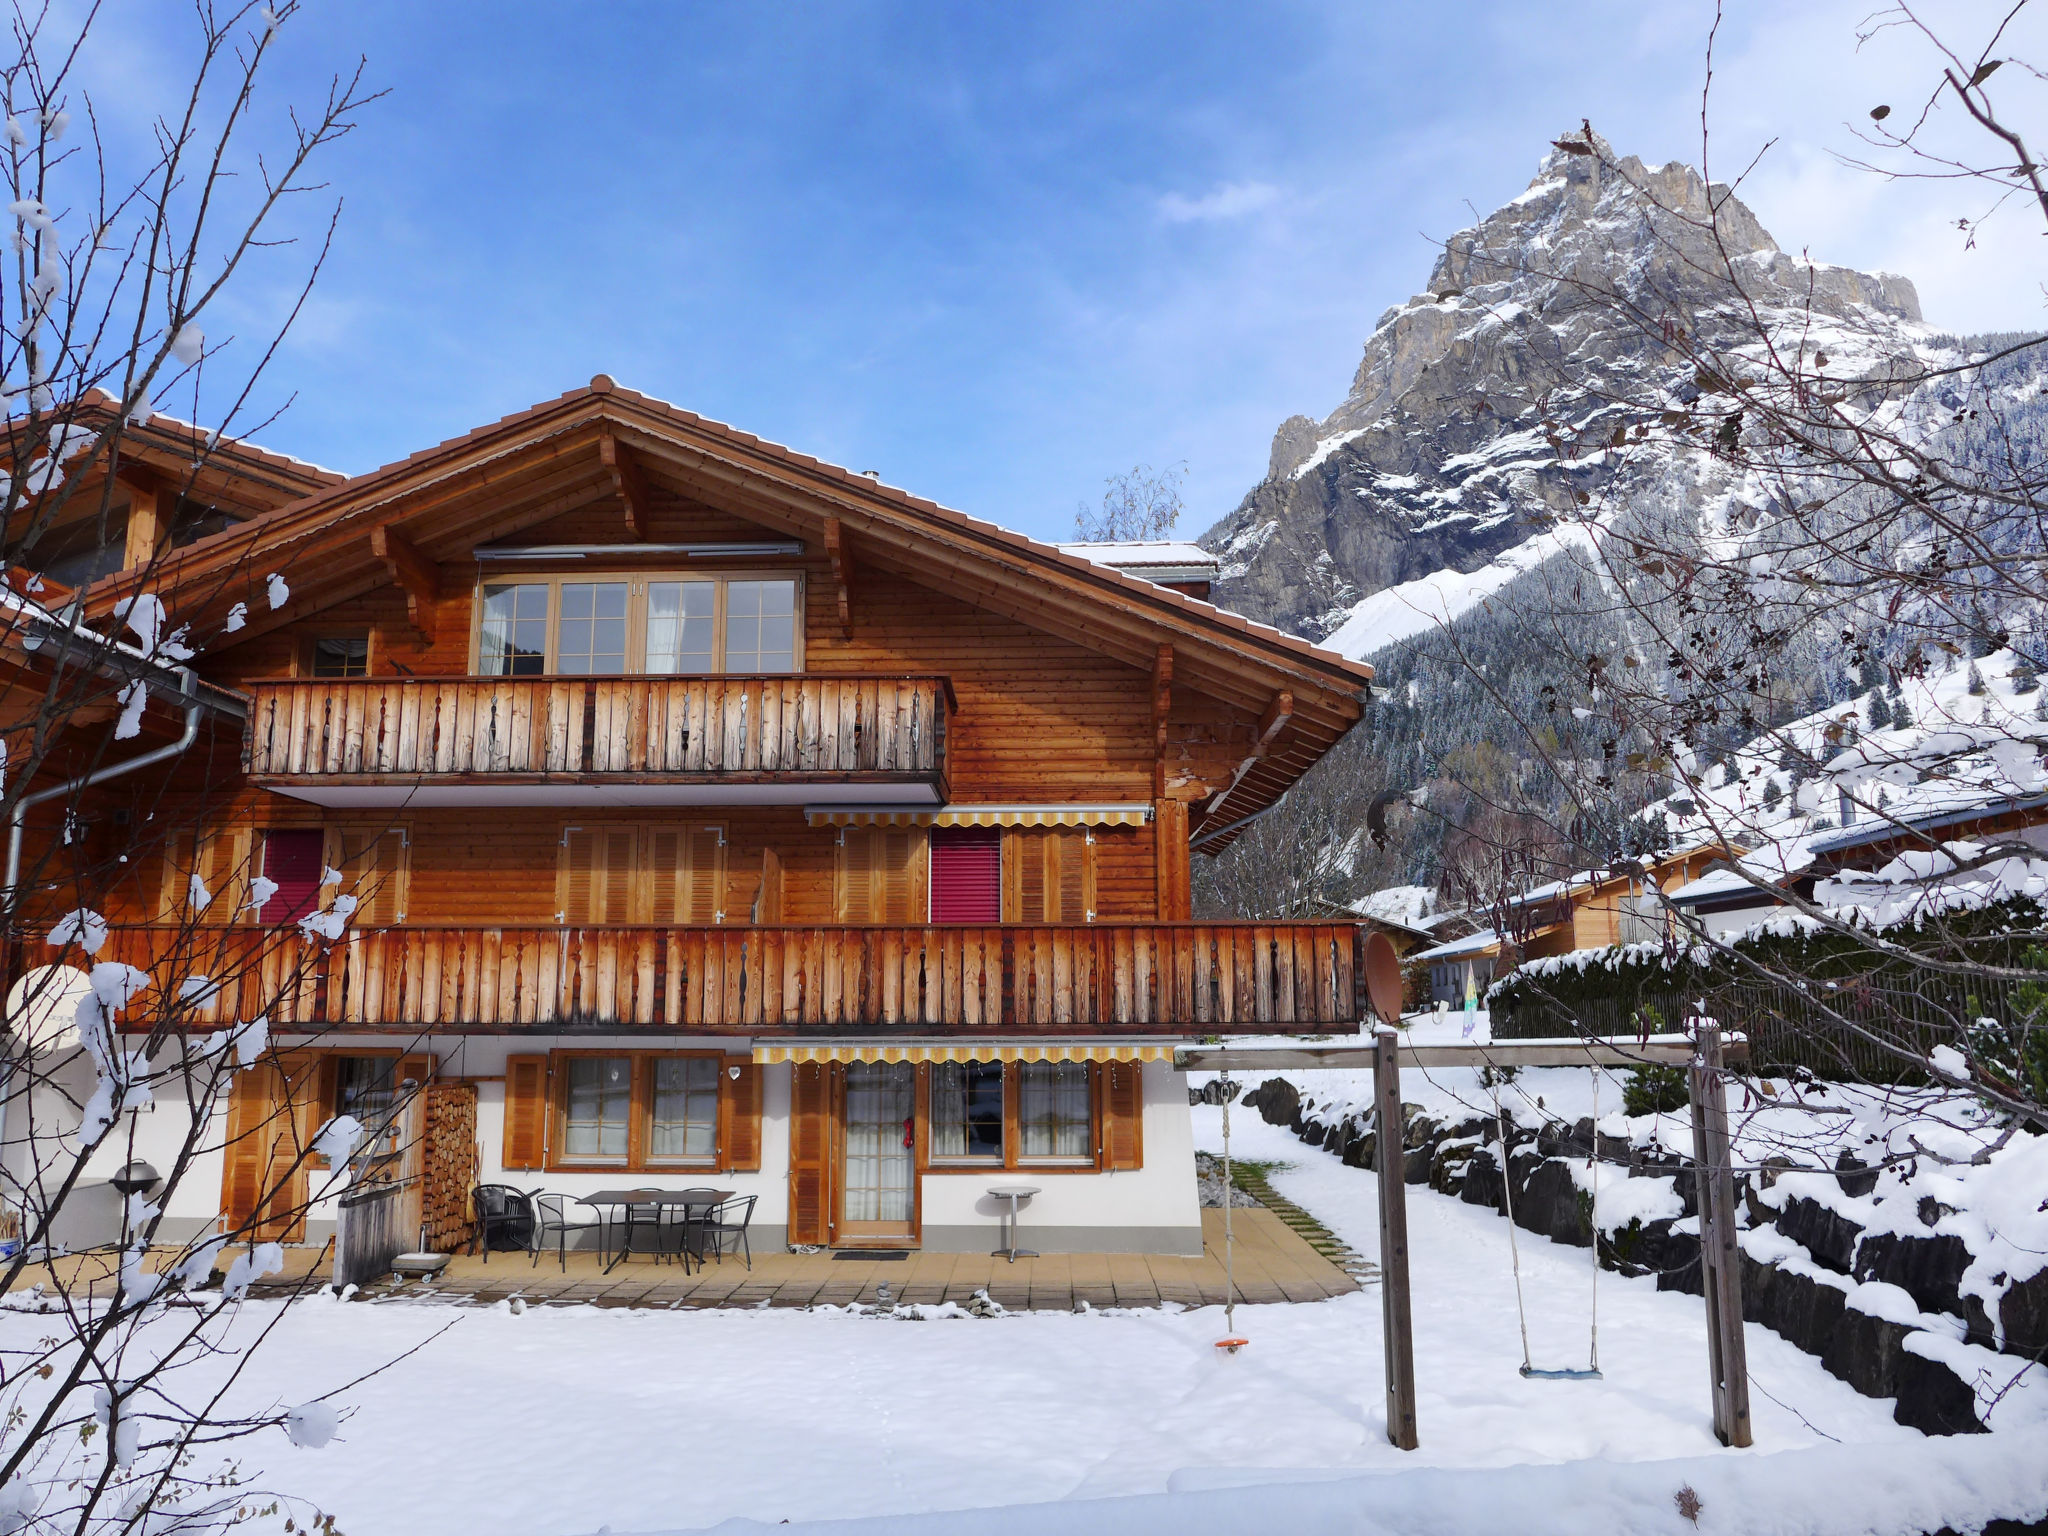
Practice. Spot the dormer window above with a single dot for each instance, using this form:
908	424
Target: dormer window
663	625
339	656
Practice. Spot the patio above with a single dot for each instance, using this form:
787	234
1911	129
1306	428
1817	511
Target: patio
1273	1264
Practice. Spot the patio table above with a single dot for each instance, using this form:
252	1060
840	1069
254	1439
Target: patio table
624	1200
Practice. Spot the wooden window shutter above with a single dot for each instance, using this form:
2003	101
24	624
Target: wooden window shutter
618	874
375	865
899	888
810	1109
702	897
308	1078
1121	1094
1070	876
218	860
739	1117
1032	884
252	1110
855	875
526	1111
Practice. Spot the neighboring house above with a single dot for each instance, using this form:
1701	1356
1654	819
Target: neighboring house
715	815
1187	568
1592	909
1462	969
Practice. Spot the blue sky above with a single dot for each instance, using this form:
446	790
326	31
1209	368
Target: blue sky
999	253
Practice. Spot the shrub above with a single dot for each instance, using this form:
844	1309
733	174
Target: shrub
1654	1091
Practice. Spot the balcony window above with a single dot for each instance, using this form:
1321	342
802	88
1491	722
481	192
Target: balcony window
667	626
339	656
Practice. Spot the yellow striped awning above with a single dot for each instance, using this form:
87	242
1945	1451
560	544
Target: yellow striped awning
769	1055
1126	814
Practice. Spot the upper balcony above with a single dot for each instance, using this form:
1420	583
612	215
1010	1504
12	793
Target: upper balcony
651	740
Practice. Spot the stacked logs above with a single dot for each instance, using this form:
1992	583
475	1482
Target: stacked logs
450	1165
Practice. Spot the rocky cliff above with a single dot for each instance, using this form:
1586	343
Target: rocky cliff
1479	405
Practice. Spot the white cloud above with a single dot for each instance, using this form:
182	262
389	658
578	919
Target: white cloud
1231	200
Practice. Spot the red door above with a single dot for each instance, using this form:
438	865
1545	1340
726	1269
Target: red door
967	875
292	859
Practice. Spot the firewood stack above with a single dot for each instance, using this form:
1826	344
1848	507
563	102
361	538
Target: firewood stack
450	1171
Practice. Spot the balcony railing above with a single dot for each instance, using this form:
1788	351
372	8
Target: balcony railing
836	728
1121	978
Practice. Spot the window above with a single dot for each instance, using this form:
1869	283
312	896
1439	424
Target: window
967	1111
645	1110
339	656
592	634
514	639
664	625
366	1087
683	1122
1054	1111
599	1107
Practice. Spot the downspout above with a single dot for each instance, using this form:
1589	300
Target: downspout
188	684
189	687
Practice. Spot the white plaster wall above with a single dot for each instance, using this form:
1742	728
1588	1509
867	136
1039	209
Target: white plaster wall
1158	1197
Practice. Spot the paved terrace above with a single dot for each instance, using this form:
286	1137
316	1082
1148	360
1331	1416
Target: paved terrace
1274	1263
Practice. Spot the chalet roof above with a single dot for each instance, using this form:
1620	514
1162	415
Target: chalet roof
566	453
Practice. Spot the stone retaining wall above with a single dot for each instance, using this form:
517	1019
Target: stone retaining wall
1883	1311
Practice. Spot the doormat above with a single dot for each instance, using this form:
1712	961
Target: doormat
872	1253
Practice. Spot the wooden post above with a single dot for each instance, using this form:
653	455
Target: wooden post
1720	1256
1396	1316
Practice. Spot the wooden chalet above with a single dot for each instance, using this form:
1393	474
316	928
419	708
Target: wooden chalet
715	815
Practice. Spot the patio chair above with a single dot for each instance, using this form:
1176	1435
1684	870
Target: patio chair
689	1220
504	1220
727	1227
643	1217
556	1222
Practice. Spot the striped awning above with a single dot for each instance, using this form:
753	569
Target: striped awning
769	1055
1116	815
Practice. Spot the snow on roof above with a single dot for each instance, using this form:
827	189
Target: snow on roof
1409	905
1471	944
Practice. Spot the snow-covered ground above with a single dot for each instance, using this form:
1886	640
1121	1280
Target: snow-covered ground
561	1420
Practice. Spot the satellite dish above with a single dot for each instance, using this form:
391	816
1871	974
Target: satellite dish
42	1008
1383	977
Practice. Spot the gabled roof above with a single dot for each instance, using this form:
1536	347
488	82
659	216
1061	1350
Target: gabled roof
562	454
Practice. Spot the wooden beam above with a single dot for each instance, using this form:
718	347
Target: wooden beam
842	573
413	571
1276	718
146	515
627	480
1720	1257
1667	1050
1397	1320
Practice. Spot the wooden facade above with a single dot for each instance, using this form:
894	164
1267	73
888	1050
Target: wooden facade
623	736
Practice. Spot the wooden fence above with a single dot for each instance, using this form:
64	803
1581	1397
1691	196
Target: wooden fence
1163	978
578	727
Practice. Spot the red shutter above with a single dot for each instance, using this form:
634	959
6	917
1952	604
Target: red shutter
293	861
967	875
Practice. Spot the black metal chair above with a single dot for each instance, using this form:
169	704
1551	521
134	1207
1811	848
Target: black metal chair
642	1217
555	1221
504	1220
726	1225
690	1216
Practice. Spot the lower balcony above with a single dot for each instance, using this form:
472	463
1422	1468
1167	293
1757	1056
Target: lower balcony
1114	978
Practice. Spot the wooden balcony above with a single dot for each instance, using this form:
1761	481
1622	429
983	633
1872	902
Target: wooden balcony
1111	978
535	740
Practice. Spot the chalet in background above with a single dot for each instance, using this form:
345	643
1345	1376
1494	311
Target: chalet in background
706	810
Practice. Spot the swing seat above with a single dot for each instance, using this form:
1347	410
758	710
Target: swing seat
1231	1346
1536	1374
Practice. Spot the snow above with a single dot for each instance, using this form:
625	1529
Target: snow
1097	1422
276	591
1409	905
1434	600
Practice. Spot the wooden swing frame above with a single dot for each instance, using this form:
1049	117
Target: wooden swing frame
1720	1258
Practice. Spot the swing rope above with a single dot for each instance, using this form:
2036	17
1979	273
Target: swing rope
1230	1343
1592	1370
